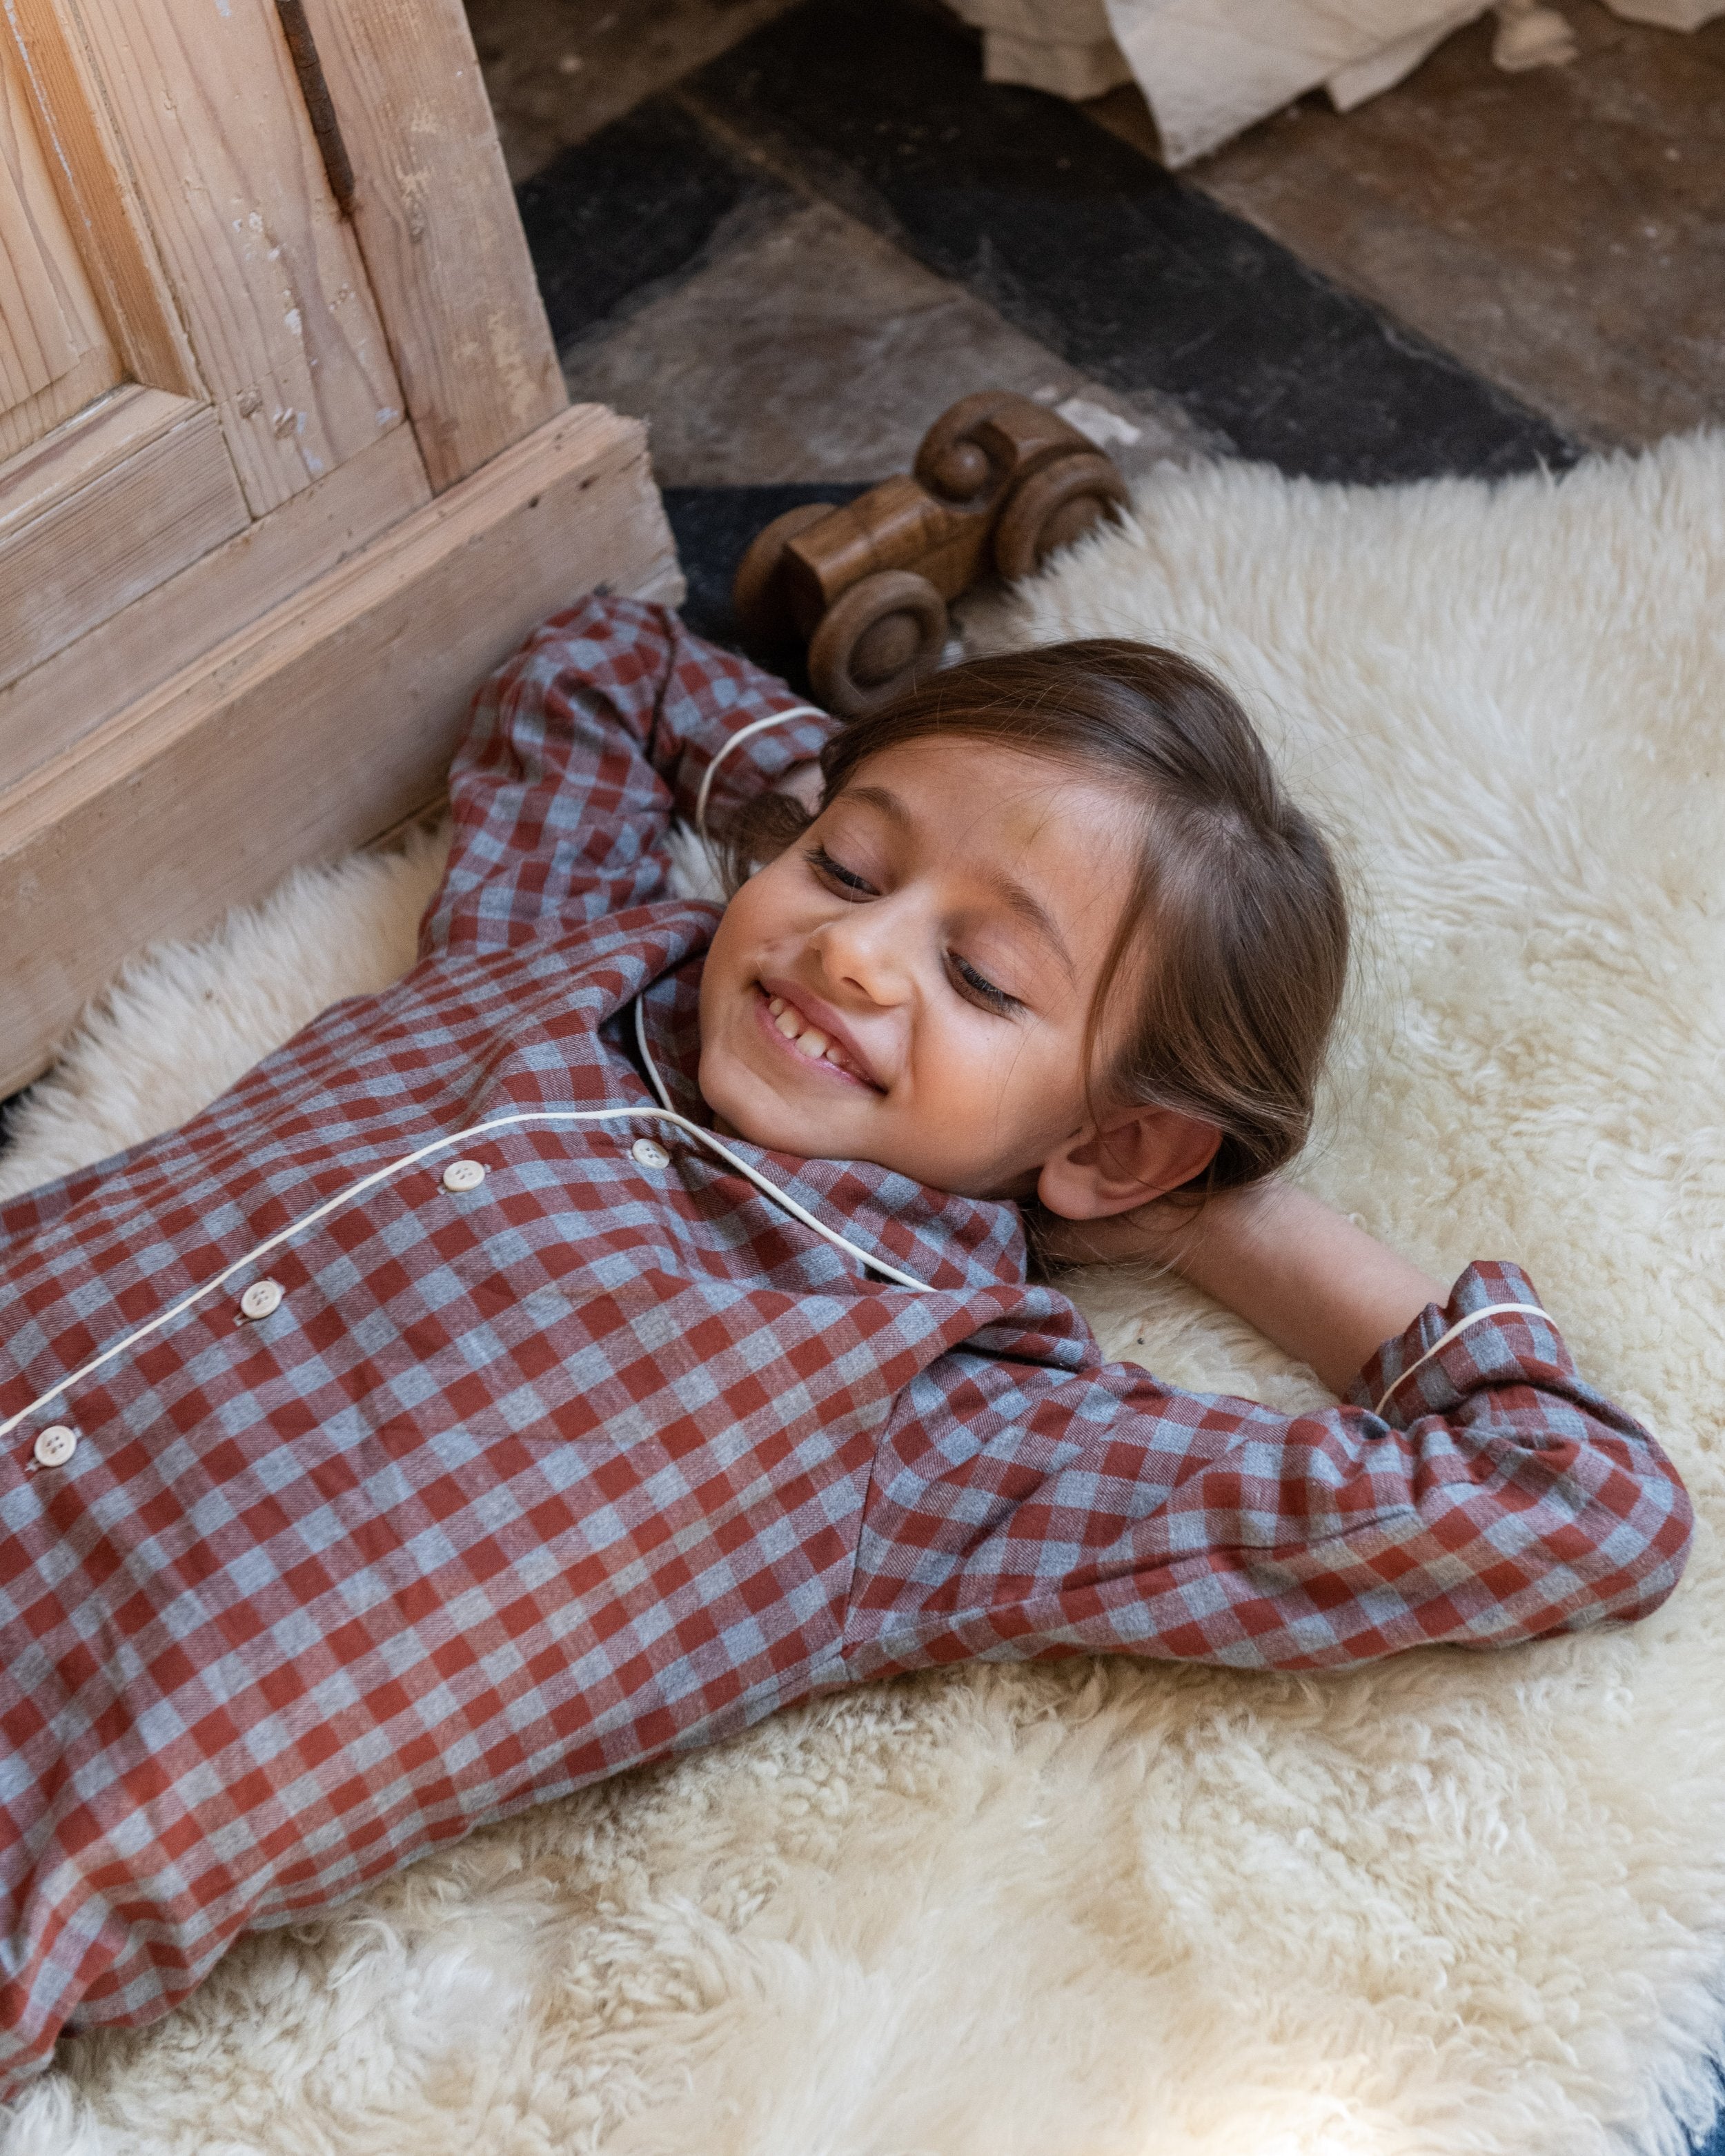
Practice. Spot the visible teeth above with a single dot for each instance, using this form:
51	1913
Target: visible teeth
813	1042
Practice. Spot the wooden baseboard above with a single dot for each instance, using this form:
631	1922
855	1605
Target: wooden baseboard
325	722
49	711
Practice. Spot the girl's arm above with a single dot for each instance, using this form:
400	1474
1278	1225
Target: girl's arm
610	721
1029	1499
1305	1276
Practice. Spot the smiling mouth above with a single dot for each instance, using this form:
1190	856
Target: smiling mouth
806	1041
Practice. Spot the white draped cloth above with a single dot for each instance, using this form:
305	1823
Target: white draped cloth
1209	68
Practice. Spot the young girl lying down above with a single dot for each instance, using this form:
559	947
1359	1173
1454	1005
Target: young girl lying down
622	1328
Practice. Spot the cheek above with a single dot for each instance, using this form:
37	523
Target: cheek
771	904
768	916
1009	1086
740	929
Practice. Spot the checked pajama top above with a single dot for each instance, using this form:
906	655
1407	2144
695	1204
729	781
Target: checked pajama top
347	1502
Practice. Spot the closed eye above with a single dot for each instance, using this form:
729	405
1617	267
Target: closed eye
980	989
835	872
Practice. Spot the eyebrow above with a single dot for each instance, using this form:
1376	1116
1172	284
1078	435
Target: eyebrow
1012	895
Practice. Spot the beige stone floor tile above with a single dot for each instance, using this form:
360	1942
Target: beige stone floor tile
557	70
809	348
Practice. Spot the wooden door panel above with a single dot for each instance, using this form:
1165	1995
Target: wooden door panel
123	500
55	354
265	272
98	195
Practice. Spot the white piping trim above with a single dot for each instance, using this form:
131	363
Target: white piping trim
1473	1317
408	1160
772	1189
742	733
652	1077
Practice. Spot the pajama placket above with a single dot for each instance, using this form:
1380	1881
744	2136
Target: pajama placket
443	1419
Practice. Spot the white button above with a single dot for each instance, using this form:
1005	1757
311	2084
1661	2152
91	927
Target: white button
648	1154
463	1175
261	1298
55	1445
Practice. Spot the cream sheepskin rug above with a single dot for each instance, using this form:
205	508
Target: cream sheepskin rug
1456	1902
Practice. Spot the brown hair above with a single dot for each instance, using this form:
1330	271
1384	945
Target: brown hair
1250	946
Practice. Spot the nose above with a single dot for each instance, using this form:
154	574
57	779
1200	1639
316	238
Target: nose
866	950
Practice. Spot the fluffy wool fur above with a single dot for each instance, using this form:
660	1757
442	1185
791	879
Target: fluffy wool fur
1455	1903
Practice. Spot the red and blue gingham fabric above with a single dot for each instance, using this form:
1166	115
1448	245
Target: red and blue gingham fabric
523	1484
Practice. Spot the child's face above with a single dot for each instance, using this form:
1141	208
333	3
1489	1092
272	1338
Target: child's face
935	938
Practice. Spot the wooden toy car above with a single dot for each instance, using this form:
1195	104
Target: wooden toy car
999	482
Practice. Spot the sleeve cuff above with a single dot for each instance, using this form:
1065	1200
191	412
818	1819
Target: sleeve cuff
755	755
1476	1340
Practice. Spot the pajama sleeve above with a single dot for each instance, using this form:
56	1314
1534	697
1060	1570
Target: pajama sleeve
606	724
1020	1508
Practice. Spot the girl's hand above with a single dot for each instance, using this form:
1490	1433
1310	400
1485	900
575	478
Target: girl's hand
1307	1276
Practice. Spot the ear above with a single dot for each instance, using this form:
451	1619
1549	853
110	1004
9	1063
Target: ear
1125	1162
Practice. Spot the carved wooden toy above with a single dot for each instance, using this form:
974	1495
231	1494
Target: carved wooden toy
999	482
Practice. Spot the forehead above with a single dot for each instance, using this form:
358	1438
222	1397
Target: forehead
975	796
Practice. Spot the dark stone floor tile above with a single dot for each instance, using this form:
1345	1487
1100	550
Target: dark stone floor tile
805	347
1080	243
609	218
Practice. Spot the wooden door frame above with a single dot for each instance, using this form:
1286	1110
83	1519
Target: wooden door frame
465	319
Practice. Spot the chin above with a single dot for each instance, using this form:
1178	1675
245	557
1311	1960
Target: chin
739	1100
781	1133
745	1103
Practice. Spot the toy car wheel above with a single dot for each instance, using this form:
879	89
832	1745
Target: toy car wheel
1053	507
874	640
758	595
